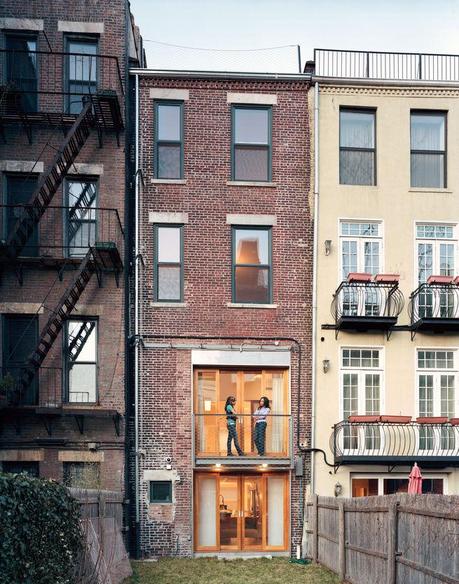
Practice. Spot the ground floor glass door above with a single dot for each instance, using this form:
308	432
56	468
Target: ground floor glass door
241	512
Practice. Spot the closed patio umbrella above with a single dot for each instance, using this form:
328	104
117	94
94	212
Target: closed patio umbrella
415	481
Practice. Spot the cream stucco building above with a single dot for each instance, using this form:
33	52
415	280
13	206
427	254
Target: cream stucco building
386	389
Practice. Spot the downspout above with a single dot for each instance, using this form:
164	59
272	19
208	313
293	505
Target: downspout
136	314
314	282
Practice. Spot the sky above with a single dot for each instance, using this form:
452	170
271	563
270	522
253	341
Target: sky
233	26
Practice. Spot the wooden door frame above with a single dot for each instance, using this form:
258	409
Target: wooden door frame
240	519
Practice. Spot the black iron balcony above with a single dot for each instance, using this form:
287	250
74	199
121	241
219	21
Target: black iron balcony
41	87
431	441
386	65
64	234
370	305
434	307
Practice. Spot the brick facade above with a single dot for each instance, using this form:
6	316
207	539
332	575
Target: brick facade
43	285
204	318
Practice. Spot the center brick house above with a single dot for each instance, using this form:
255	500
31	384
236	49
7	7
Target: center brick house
223	308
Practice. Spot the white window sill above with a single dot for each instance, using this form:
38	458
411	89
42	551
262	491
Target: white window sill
429	190
168	181
248	183
168	304
249	305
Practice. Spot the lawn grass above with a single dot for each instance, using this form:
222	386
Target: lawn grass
213	571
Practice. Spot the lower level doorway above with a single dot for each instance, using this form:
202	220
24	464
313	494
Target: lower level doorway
241	512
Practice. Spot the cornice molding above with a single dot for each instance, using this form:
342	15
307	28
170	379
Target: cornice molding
389	91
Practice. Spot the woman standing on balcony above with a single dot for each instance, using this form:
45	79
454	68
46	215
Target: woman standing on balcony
260	415
231	425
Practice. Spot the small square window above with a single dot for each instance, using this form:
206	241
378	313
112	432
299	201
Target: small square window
160	491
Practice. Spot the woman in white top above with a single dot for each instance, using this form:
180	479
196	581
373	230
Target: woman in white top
260	416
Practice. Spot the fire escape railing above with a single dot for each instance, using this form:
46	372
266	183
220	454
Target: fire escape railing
384	442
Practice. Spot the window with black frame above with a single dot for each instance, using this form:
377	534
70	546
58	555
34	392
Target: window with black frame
30	468
168	149
252	279
357	147
81	71
168	263
81	215
428	149
160	492
80	353
251	143
19	191
22	68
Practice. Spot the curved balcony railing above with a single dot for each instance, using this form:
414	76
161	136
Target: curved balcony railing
384	442
435	306
211	434
361	304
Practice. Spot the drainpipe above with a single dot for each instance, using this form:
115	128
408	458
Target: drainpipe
314	280
136	312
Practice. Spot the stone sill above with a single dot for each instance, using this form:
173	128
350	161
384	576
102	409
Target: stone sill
168	181
244	183
168	304
428	190
249	305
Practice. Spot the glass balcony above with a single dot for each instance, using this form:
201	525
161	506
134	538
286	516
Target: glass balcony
211	437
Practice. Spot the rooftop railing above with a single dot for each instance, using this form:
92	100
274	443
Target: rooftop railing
386	65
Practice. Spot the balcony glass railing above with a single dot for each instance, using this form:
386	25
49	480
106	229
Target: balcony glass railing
211	436
353	442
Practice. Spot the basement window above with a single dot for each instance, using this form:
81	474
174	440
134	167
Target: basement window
160	491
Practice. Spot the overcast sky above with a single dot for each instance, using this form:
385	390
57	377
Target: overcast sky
385	25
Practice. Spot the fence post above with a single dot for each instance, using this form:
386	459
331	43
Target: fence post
392	529
315	528
341	541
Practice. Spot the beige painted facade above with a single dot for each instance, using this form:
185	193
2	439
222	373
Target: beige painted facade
396	207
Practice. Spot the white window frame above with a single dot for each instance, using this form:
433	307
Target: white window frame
436	242
360	240
394	475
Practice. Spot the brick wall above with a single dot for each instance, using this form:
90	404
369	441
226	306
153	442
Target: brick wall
42	284
166	386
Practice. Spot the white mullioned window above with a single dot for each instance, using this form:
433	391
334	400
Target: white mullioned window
361	393
438	395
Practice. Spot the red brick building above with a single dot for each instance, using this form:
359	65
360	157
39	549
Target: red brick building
223	308
63	103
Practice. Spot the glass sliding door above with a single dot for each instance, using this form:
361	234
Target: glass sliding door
252	512
229	513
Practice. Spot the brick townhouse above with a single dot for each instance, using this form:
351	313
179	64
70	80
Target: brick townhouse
63	68
222	303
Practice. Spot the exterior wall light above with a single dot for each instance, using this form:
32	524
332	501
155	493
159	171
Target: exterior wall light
326	365
328	243
338	489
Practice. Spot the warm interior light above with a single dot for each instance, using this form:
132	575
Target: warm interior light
207	405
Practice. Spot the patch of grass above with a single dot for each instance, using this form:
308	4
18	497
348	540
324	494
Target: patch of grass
213	571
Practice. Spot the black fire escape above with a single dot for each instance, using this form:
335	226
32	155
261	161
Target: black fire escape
101	251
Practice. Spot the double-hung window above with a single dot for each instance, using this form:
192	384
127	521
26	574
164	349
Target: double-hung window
361	251
251	143
438	395
81	71
168	263
428	149
252	265
80	214
19	191
22	67
357	147
80	352
362	389
168	132
436	250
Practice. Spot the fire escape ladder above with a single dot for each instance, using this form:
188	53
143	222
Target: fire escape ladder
57	319
50	182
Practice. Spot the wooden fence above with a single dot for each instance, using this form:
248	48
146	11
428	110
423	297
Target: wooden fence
102	518
394	539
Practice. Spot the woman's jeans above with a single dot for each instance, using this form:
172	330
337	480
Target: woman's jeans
232	436
260	435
